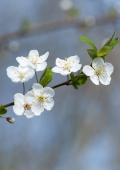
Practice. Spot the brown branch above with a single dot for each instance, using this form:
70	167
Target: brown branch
53	25
53	87
9	104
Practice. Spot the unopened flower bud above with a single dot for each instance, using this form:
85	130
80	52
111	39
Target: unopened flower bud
10	119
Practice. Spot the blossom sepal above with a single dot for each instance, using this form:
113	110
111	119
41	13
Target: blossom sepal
46	77
79	80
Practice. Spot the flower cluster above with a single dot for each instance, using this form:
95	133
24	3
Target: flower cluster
39	98
34	102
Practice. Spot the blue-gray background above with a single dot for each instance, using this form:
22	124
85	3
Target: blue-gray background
82	131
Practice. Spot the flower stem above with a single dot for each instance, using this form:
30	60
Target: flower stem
53	87
36	76
23	89
68	78
79	70
3	117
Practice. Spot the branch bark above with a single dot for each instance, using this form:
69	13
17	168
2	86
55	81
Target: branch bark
53	87
54	25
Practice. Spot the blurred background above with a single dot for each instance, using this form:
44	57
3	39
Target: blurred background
82	131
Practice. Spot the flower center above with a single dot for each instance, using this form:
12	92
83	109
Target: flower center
67	65
27	106
33	59
41	99
98	72
21	75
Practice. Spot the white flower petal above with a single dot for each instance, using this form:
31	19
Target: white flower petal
18	99
19	110
59	62
33	53
48	105
32	66
105	79
94	79
23	69
109	68
15	79
43	57
37	109
64	73
11	71
29	75
29	97
88	70
76	68
48	92
73	60
57	69
23	61
41	67
97	62
29	114
37	88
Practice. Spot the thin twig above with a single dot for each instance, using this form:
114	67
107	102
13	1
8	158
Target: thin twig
53	87
23	88
36	76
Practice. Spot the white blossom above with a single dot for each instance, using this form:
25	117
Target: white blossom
99	71
23	104
34	61
42	98
67	66
66	4
20	74
90	20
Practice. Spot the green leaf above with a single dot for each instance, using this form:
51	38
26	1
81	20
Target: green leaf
92	53
46	77
113	43
109	40
74	85
81	79
87	40
2	110
104	51
72	77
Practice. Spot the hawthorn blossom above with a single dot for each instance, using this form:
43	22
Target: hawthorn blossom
65	67
23	104
42	98
20	74
99	71
34	61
